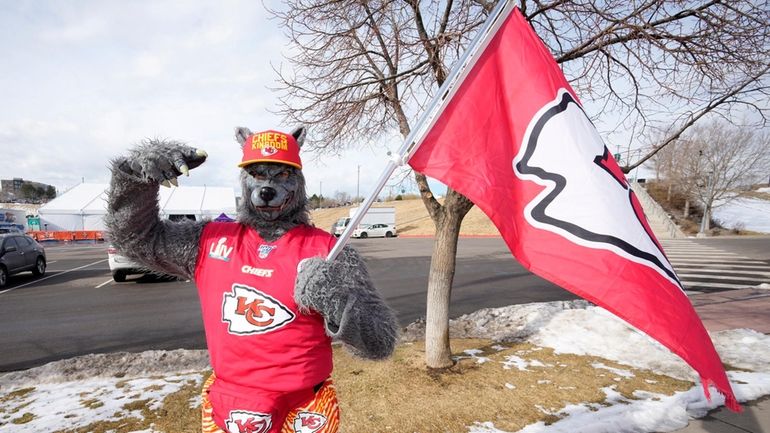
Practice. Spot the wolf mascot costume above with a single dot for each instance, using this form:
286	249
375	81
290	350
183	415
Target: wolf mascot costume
270	302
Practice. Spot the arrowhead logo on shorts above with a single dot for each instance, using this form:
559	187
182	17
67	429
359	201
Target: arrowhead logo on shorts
248	311
242	421
308	422
577	192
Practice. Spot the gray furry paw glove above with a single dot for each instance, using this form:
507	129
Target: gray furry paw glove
343	293
316	290
160	161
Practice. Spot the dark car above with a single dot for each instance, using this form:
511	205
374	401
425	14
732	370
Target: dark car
19	253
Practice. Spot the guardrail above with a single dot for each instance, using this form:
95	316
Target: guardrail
655	211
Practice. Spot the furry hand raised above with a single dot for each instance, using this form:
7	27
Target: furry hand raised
160	161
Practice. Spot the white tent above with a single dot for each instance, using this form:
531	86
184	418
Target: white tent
83	207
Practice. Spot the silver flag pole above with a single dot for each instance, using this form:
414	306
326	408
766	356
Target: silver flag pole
429	116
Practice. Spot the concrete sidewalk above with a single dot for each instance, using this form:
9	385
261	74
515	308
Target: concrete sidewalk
745	308
755	419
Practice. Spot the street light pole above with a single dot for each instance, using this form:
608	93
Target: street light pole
358	183
706	211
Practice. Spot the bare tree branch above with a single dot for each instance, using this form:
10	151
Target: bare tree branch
710	107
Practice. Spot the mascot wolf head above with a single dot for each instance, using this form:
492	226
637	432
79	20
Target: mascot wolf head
273	187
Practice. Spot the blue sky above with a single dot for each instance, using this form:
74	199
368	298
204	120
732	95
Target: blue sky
81	81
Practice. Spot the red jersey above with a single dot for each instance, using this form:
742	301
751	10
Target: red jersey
256	336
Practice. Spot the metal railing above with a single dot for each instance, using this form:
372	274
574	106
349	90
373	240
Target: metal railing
655	212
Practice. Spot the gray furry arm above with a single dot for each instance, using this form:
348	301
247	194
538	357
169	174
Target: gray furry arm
355	313
136	229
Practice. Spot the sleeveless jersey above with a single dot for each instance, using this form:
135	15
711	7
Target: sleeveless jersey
256	336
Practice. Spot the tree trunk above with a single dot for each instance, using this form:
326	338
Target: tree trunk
442	271
686	212
668	193
448	219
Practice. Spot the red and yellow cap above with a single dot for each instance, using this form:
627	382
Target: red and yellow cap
271	146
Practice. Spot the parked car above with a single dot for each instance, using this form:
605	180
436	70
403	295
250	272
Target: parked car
19	253
375	231
121	266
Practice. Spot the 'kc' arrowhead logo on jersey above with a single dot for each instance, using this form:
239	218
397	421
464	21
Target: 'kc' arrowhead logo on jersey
249	311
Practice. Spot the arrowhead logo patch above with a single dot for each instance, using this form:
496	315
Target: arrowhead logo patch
242	421
308	422
248	311
563	152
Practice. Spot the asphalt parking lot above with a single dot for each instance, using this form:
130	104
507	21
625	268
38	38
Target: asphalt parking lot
76	308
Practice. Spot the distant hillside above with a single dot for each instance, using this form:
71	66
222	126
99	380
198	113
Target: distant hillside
411	219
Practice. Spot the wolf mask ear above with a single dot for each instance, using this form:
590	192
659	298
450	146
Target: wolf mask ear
299	135
241	134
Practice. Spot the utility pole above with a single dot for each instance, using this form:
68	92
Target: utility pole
358	183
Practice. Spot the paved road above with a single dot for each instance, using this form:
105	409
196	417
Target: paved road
77	309
715	265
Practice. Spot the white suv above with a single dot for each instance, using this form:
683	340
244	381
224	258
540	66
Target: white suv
120	265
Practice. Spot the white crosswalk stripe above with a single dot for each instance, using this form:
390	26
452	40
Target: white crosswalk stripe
703	268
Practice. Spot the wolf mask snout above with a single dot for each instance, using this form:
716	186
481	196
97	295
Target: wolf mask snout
267	193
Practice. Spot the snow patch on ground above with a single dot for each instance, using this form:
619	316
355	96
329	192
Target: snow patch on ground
82	402
512	323
747	213
595	331
650	413
618	371
122	364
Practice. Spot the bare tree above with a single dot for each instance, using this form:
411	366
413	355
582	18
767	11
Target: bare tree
711	163
361	69
679	164
364	68
342	198
716	160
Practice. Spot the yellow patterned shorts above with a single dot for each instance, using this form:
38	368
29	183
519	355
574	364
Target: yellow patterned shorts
321	414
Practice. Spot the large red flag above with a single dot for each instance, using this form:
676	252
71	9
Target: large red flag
515	140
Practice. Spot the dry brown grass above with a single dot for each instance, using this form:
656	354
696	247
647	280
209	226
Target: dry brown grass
402	395
411	219
757	195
